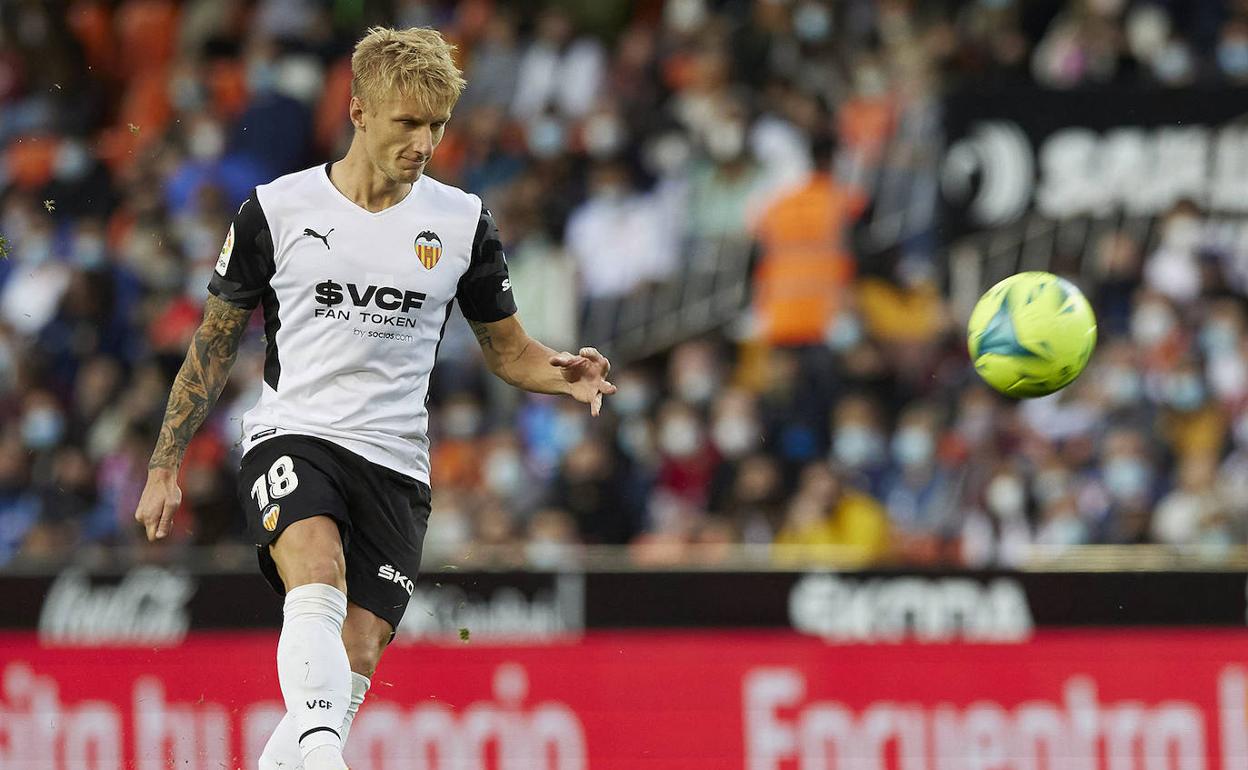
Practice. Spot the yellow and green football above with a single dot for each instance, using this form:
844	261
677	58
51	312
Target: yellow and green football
1031	334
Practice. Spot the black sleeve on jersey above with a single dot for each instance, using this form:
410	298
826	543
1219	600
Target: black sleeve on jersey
485	290
251	263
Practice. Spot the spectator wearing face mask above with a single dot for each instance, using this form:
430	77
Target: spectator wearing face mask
1129	477
67	497
498	533
1156	331
19	503
42	422
558	69
736	433
1173	269
32	294
1117	379
1193	513
456	461
1118	264
755	500
504	474
859	444
1222	341
695	372
724	189
1191	422
997	532
1061	526
688	458
620	239
1233	473
552	539
921	495
592	489
1232	51
831	524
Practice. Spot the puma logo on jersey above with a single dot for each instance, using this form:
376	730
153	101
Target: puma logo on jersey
324	238
388	572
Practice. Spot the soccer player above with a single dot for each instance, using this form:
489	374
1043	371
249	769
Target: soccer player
356	263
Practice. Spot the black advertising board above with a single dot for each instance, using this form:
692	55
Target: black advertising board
1015	153
159	606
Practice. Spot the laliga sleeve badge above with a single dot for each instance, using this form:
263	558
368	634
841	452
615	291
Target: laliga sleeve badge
227	249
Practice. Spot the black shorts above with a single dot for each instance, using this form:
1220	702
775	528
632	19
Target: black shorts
382	515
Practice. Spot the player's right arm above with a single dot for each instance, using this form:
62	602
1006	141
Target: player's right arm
241	277
199	383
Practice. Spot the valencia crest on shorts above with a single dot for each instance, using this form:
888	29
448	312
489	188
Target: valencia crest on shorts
428	248
269	519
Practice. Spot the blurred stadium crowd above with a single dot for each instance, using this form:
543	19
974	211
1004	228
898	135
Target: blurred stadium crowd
839	418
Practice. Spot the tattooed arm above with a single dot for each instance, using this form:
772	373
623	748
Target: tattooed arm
521	361
195	390
484	295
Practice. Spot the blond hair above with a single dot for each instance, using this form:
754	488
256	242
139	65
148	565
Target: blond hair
413	62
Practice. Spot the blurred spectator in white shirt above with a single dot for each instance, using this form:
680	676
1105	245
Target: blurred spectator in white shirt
1190	514
1174	268
38	280
558	71
620	238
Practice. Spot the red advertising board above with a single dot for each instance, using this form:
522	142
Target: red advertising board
1084	700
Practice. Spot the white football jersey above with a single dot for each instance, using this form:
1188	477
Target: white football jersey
355	305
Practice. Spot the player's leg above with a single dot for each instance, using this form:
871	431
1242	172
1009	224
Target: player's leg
312	664
364	635
390	514
296	514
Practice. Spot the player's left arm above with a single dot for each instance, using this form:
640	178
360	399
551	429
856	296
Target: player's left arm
521	361
485	297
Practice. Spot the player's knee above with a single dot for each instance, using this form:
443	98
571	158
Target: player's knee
323	569
326	566
365	637
364	653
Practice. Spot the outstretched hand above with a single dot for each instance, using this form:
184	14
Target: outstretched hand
586	372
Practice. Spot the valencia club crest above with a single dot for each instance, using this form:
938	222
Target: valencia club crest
428	248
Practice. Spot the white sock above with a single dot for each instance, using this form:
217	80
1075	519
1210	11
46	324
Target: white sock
359	686
313	671
282	750
324	757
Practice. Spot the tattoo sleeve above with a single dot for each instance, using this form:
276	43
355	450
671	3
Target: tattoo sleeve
200	380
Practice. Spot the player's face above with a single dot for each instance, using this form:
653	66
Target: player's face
401	134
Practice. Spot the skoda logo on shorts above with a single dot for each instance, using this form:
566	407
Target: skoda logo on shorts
270	516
